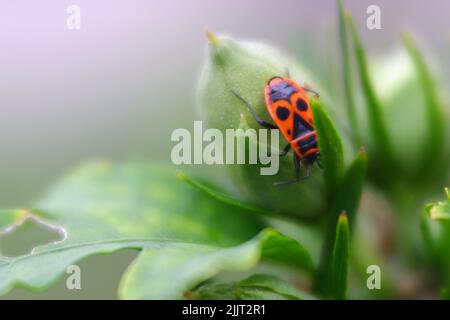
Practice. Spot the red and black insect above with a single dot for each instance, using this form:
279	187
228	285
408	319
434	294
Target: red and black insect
288	105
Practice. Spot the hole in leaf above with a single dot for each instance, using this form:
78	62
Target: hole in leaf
100	277
26	234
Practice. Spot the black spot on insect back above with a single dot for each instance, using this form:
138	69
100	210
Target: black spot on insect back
301	105
283	113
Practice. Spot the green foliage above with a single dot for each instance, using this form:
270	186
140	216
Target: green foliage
178	268
346	199
8	217
394	127
441	210
339	265
330	145
405	141
245	67
348	76
436	234
189	232
215	192
378	128
433	150
102	208
258	286
348	195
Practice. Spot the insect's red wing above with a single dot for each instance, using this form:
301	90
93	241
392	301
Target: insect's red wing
300	103
281	112
286	113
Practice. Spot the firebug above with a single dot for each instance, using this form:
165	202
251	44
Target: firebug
288	106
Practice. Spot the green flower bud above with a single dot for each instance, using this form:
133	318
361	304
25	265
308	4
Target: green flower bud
400	95
245	68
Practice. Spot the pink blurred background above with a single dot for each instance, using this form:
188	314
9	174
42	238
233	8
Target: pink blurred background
117	87
120	85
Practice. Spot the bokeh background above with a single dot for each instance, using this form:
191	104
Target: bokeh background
119	86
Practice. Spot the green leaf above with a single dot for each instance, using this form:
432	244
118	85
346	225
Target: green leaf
340	263
258	286
425	228
347	75
346	199
222	196
102	208
9	217
330	145
380	134
185	235
433	149
171	271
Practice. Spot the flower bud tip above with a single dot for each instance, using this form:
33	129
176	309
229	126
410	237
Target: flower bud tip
212	38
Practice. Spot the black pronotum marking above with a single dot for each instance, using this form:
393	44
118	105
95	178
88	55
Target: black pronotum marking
283	113
301	105
283	90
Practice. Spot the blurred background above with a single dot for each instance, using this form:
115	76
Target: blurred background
117	87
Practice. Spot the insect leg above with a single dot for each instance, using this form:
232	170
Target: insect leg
307	88
297	165
285	150
255	116
319	163
308	172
